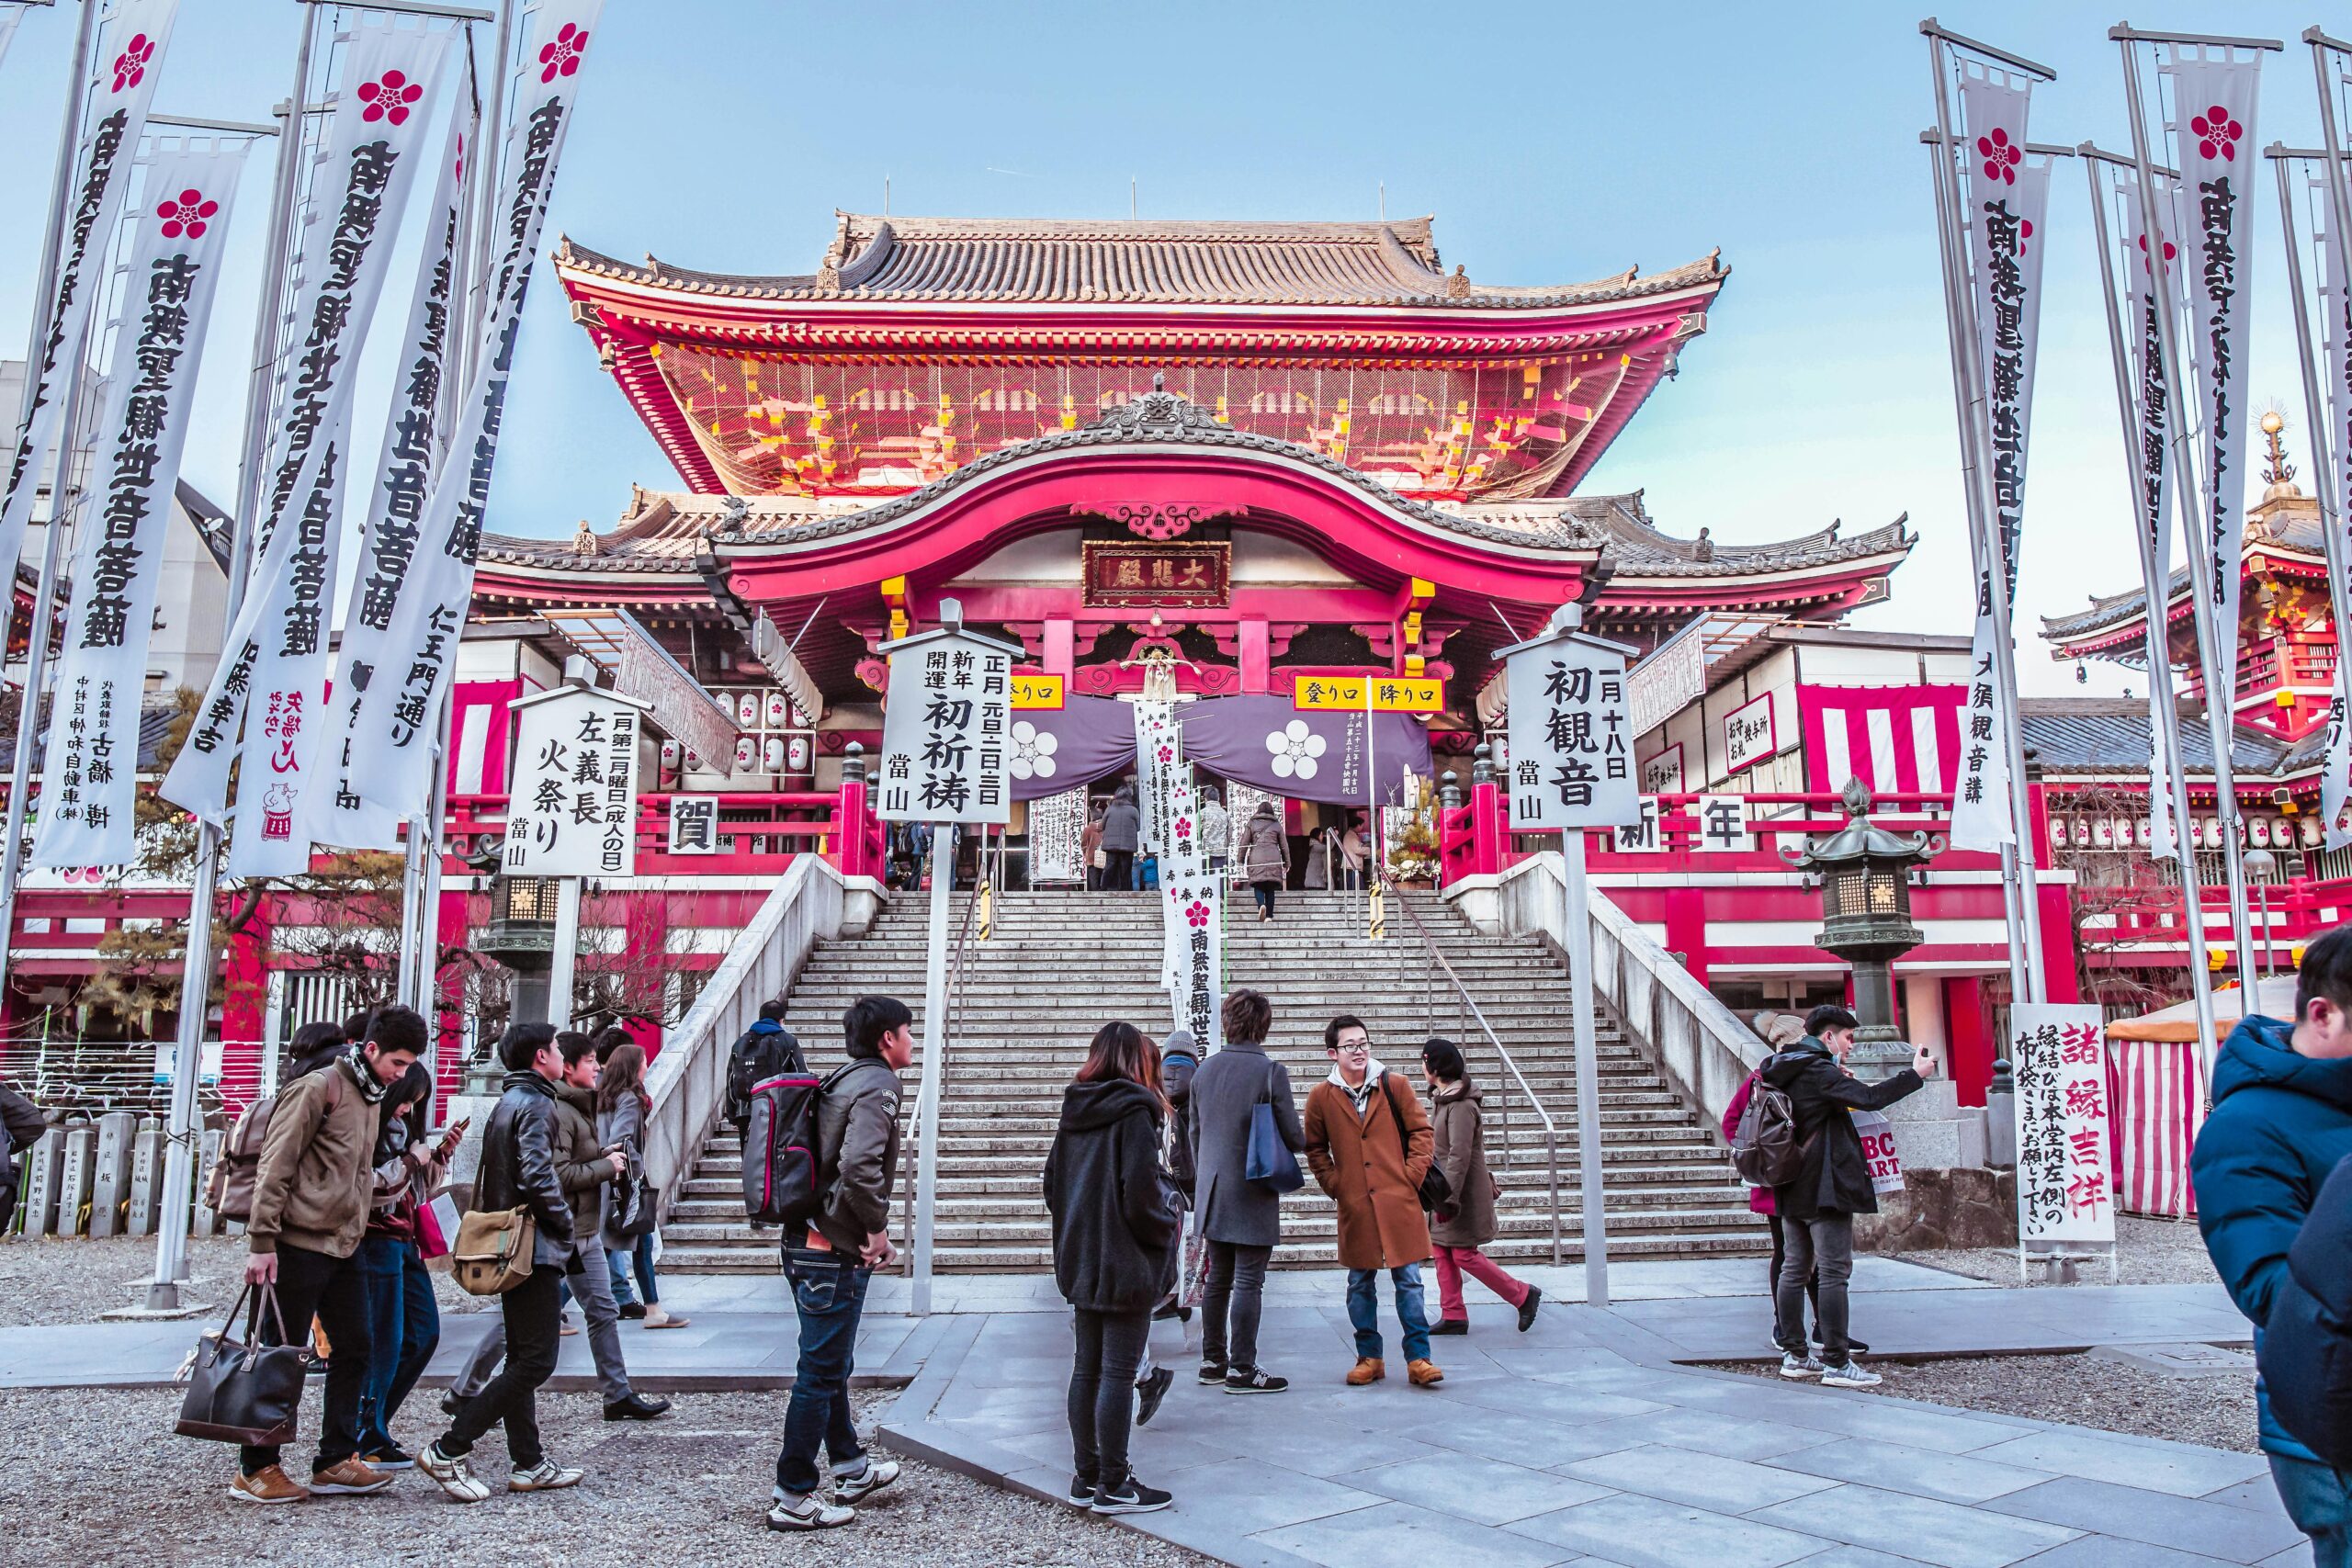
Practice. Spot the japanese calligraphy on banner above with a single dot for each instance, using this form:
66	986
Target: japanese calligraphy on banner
1571	748
2335	317
1158	744
1388	694
1662	775
1641	836
391	759
945	730
2153	409
1723	822
1034	692
402	480
2065	1122
1751	735
276	668
693	825
1056	822
124	84
92	757
572	811
2213	98
1194	915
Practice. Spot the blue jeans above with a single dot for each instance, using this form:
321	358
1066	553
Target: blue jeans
403	1325
619	1263
828	1293
2321	1504
1363	1310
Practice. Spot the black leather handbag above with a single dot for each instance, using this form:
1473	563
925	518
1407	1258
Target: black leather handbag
244	1391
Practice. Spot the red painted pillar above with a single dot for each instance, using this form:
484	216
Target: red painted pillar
449	1020
1487	828
1057	654
1257	657
853	833
1686	928
2058	944
1968	1043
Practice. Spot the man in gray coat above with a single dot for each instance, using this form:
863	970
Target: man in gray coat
1240	1219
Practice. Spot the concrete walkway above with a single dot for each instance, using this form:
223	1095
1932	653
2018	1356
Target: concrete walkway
1582	1442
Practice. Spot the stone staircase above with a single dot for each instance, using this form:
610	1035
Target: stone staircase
1062	964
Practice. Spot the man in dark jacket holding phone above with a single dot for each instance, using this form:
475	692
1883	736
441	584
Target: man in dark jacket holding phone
1832	1185
518	1171
2281	1120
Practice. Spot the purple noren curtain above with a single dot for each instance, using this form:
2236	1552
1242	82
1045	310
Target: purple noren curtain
1316	756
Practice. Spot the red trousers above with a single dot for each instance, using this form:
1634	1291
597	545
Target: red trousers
1452	1263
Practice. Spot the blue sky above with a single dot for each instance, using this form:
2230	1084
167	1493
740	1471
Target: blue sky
1553	143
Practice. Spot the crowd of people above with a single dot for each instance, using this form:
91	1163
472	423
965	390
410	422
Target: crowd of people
1255	850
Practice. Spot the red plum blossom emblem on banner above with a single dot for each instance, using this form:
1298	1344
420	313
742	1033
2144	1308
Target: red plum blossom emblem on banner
1295	748
388	97
560	56
2169	252
187	213
2217	134
2025	233
131	65
1196	913
2001	155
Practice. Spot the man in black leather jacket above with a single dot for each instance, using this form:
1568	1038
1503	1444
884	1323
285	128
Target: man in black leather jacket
518	1170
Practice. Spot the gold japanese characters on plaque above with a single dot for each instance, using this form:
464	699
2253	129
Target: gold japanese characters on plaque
1158	575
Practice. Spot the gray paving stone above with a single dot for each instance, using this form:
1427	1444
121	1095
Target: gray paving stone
1704	1481
1709	1433
1397	1535
1867	1415
2235	1535
1949	1477
1555	1402
1328	1447
2259	1494
1942	1533
2176	1468
1857	1557
1645	1532
1528	1439
1243	1496
2109	1552
1485	1490
2293	1557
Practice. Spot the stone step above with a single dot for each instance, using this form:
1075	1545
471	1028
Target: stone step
1302	1227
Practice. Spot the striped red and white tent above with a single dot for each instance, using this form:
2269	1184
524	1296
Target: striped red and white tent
2157	1083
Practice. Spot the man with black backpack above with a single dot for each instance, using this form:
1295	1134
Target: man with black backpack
830	1258
2281	1120
767	1050
21	1125
1804	1100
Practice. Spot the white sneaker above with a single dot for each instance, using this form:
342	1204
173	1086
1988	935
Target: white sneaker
545	1476
809	1513
452	1474
1850	1375
1795	1366
865	1483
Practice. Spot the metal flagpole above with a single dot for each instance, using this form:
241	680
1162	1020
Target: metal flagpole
1992	556
565	951
2018	905
934	1047
2324	455
2220	722
491	150
2339	217
1576	935
195	982
2157	578
52	249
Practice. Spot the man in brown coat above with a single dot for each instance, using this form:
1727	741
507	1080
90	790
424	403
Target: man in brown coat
1369	1145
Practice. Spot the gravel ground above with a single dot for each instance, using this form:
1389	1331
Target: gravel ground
101	1480
2215	1411
2154	1252
51	1280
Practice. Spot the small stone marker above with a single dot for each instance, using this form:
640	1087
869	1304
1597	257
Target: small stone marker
2189	1360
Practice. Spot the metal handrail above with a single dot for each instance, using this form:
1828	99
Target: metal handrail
1551	1129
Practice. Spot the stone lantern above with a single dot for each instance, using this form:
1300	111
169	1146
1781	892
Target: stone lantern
1865	875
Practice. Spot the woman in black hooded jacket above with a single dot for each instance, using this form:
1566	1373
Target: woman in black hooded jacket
1116	1217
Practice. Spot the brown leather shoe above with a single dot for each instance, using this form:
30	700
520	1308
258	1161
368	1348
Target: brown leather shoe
350	1478
1367	1371
270	1484
1423	1373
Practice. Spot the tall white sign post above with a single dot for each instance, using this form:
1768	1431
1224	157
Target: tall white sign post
1572	768
946	726
573	810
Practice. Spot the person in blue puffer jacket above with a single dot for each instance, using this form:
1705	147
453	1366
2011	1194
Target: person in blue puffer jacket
2282	1120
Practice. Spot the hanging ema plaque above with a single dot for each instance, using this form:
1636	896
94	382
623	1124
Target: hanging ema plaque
1158	576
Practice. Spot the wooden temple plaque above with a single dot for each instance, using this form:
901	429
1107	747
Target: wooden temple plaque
1191	575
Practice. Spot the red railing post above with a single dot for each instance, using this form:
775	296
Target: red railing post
858	832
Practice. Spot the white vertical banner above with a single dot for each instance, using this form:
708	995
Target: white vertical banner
2152	417
574	809
405	465
2007	196
90	763
1571	761
2335	366
276	672
1158	756
1193	906
10	15
122	86
394	730
2212	128
944	731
